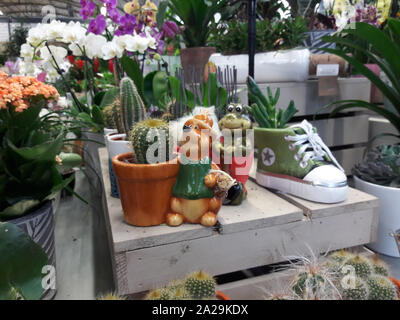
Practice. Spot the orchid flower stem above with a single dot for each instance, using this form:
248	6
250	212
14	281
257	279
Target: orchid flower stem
59	71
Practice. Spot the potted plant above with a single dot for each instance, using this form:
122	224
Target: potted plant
195	16
277	58
31	159
384	51
293	159
145	178
122	114
22	262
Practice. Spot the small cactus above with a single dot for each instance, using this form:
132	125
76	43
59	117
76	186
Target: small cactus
381	288
152	133
200	285
340	255
109	115
132	107
362	266
307	283
111	296
379	267
158	294
358	292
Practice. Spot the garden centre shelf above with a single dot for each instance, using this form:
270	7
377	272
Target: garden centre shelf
266	228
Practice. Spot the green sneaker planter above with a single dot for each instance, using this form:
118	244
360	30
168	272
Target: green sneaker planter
295	160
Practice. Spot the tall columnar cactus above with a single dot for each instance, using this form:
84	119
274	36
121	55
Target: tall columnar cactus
154	134
109	115
132	107
200	285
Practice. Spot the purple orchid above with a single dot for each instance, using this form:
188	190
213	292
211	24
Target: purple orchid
13	67
114	15
110	4
169	29
97	25
87	10
127	24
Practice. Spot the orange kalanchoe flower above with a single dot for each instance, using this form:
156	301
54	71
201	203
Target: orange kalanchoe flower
18	91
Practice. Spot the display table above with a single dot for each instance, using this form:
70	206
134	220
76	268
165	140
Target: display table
265	229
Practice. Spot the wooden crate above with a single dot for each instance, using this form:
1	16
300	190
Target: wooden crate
265	229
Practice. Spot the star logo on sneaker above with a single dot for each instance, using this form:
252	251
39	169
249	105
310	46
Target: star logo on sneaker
268	157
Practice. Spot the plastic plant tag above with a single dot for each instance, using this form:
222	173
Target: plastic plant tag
327	70
327	79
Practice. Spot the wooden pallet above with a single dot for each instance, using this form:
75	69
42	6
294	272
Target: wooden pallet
265	229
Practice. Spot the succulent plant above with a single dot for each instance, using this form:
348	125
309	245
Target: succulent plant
158	294
133	109
200	285
381	288
360	290
340	255
362	266
264	109
380	166
151	135
379	267
108	114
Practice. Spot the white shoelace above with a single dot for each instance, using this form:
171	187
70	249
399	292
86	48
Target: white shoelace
310	139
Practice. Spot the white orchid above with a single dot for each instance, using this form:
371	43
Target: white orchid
93	44
36	36
111	50
55	30
59	54
27	51
74	33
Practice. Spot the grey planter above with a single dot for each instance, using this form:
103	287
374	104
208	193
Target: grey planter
39	225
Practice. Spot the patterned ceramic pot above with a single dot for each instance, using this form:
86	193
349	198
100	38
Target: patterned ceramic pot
39	225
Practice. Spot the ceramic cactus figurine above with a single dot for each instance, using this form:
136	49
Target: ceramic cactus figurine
145	134
132	107
239	148
200	285
200	186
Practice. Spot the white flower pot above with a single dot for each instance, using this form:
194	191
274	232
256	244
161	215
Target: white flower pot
107	131
116	144
274	66
389	216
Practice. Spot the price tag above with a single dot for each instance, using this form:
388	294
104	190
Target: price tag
327	70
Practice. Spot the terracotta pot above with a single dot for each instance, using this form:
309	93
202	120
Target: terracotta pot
145	189
195	59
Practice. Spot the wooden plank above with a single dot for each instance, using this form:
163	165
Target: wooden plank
261	209
126	237
156	266
356	201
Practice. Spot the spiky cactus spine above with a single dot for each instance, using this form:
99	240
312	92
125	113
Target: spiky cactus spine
362	266
200	285
146	133
381	288
379	267
158	294
109	115
340	255
307	283
132	107
357	291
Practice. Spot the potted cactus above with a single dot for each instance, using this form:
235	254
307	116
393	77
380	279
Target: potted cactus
378	173
122	114
145	177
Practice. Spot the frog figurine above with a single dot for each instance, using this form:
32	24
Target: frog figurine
200	185
236	123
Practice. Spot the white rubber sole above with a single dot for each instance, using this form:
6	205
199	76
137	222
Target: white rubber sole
302	189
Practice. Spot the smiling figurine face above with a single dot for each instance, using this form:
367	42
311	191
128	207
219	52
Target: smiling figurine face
235	118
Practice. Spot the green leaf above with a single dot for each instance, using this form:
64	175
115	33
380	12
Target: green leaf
18	209
160	85
109	97
288	114
21	264
160	17
148	89
69	161
99	97
97	115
